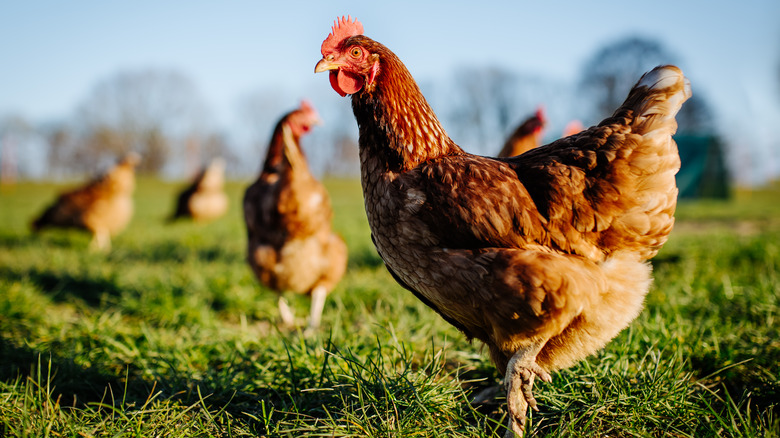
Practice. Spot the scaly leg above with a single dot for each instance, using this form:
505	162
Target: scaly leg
317	304
519	382
286	313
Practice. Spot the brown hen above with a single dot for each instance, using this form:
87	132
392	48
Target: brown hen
288	218
526	136
204	199
543	257
103	206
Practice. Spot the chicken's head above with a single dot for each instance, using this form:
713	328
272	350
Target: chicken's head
303	119
352	66
130	159
539	122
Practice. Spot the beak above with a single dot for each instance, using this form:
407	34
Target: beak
326	64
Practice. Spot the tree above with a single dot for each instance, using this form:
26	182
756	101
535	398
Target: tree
63	144
484	103
151	112
487	104
333	149
22	150
613	70
344	159
259	111
695	116
11	128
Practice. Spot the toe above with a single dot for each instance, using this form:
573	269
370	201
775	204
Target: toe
527	388
539	371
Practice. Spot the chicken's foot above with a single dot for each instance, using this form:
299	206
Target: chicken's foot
318	295
101	240
288	319
519	382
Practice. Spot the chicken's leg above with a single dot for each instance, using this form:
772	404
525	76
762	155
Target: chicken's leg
317	304
519	382
286	313
101	240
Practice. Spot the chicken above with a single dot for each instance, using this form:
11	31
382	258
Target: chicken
543	256
288	218
526	136
104	206
204	200
573	127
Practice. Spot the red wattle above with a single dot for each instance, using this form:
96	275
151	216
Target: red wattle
344	83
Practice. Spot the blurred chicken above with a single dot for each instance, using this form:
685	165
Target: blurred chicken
573	127
288	218
204	200
542	256
104	206
526	136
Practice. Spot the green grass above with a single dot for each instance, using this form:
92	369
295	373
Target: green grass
170	335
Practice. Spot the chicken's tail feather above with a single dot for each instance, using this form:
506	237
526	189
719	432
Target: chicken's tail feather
656	99
653	160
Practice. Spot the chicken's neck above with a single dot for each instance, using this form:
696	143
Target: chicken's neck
275	160
397	125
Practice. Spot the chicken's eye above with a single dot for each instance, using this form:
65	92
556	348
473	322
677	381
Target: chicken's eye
355	52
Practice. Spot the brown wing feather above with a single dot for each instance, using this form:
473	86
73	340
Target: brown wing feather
607	189
612	188
478	201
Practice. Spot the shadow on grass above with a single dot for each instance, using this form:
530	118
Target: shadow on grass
65	239
79	386
755	378
177	252
665	259
365	257
310	396
15	241
73	384
231	388
63	287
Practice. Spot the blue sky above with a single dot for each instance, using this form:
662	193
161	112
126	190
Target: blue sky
53	52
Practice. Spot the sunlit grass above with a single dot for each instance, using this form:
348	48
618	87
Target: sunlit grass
168	334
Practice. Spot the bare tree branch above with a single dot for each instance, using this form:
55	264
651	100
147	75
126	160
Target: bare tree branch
151	112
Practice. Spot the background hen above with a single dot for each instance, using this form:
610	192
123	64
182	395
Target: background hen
288	218
204	199
103	206
571	128
526	136
541	256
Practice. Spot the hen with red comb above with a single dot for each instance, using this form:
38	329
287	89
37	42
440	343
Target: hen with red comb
526	136
290	244
542	256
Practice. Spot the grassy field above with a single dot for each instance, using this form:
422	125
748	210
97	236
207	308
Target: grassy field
169	335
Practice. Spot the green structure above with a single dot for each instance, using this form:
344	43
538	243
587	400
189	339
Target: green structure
703	172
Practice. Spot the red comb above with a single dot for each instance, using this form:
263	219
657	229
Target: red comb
540	113
342	28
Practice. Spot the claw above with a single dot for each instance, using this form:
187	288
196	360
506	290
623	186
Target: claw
527	387
519	382
539	371
519	396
